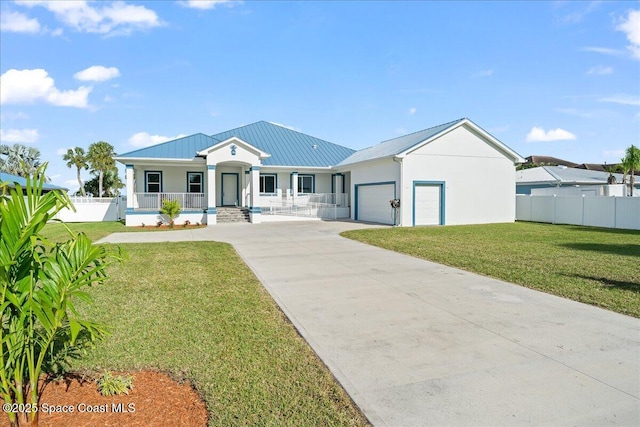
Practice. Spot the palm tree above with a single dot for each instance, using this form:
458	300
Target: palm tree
18	159
77	157
100	157
631	164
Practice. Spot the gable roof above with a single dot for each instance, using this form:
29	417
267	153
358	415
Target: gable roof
405	144
286	147
15	179
562	175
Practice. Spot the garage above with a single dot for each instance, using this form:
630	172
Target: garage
372	202
428	203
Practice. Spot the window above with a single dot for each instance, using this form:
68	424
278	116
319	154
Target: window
194	182
305	183
267	183
153	182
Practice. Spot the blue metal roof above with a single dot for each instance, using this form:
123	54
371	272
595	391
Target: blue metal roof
181	148
395	146
15	179
286	147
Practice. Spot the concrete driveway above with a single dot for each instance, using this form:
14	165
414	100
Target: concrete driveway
417	343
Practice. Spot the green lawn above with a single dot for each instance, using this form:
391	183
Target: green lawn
592	265
195	310
97	230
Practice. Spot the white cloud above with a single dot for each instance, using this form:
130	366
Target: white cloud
600	70
24	136
538	134
412	111
207	4
14	116
603	50
16	22
143	139
610	154
485	73
97	73
62	151
115	18
631	27
623	99
29	86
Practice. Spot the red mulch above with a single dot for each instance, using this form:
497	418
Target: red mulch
155	400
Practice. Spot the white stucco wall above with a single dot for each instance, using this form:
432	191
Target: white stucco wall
479	179
381	170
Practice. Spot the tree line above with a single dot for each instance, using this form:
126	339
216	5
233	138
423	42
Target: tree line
20	160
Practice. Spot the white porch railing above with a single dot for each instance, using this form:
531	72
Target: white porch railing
153	201
315	205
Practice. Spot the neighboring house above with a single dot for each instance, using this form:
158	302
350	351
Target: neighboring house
455	173
12	180
563	180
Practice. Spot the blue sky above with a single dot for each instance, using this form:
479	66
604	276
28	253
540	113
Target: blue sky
548	78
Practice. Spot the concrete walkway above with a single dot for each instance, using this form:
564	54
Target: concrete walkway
417	343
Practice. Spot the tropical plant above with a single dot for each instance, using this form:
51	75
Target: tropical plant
111	184
110	385
171	209
100	157
41	282
77	157
611	169
631	164
18	159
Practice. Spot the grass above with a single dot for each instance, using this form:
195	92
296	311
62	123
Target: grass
97	230
591	265
195	310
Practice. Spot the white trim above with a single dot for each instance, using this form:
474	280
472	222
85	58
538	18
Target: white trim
151	161
234	140
515	157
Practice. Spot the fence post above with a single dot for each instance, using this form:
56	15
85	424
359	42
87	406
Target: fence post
582	221
553	219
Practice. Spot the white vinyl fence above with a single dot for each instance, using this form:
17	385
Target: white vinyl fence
95	209
595	211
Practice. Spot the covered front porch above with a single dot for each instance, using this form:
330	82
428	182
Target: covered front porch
231	174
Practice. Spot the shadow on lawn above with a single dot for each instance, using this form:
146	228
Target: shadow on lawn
610	283
603	230
610	248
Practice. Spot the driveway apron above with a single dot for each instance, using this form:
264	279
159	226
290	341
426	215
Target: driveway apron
417	343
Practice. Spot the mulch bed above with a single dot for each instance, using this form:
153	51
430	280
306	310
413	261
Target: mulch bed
155	400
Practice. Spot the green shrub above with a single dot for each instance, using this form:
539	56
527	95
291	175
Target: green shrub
171	209
41	282
110	385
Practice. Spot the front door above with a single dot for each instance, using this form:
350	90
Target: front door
229	189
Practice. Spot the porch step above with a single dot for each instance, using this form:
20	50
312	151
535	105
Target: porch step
232	215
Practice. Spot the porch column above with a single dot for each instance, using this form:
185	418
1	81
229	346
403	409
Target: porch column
337	187
130	188
254	210
211	195
131	191
294	187
246	190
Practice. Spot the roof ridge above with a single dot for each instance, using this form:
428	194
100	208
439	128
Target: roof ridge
286	129
421	130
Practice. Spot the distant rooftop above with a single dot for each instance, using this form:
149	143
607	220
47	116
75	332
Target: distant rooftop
563	175
15	179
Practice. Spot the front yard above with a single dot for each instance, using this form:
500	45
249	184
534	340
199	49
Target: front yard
195	310
591	265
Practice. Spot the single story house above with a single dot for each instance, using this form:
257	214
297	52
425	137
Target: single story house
563	180
455	173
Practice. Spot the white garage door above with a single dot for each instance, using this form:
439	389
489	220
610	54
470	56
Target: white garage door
373	203
427	205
